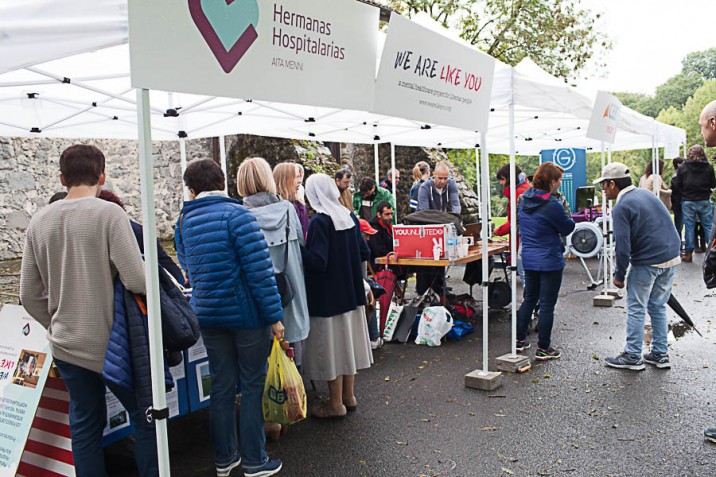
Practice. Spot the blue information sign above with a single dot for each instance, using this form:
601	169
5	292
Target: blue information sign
574	163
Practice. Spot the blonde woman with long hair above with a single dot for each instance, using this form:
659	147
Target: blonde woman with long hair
287	186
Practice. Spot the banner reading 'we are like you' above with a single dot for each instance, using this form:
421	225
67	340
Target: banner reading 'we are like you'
317	52
429	77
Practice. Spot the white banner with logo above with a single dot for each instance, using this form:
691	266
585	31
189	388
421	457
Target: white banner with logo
605	116
428	77
318	52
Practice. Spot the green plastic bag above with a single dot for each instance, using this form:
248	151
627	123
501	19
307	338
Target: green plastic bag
284	399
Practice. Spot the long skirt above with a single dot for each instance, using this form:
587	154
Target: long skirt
336	346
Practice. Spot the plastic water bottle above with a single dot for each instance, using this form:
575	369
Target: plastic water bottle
451	249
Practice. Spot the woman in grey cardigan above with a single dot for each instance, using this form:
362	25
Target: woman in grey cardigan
280	225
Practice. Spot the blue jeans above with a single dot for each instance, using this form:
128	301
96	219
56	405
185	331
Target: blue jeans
237	355
648	289
542	288
88	417
692	209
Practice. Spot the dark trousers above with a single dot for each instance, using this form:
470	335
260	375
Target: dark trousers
678	219
430	277
542	288
88	417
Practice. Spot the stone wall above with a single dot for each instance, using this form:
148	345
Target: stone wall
29	174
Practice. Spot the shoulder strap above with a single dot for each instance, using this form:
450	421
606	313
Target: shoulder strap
285	250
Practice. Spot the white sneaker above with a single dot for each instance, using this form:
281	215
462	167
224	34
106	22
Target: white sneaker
377	343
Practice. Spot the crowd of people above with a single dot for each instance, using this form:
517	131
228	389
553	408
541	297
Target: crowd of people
232	253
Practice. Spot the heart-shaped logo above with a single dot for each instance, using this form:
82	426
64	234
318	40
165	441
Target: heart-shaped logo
228	27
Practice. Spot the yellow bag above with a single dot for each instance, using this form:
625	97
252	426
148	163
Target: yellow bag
284	399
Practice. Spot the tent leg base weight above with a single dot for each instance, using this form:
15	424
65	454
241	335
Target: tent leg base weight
484	381
615	293
603	300
511	363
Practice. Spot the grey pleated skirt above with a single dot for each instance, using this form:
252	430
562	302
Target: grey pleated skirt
337	346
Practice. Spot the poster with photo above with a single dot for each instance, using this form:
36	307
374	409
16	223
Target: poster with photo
24	364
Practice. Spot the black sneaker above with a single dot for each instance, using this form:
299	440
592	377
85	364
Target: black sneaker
521	345
547	354
659	360
710	434
626	361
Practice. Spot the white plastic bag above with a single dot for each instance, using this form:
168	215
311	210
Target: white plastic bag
391	322
435	323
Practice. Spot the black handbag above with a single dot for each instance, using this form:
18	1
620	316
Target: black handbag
180	326
285	289
709	266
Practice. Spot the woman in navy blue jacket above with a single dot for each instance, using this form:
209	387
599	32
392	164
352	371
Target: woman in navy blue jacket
236	300
338	344
542	221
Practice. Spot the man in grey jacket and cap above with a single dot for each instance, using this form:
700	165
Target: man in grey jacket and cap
646	243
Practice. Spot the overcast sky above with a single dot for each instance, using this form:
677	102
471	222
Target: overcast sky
650	38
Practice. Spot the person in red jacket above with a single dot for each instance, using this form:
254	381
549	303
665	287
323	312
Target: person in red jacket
503	175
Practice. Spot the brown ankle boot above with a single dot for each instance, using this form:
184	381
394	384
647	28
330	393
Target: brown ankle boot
687	257
272	431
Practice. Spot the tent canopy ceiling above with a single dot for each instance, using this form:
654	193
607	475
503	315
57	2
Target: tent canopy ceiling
89	95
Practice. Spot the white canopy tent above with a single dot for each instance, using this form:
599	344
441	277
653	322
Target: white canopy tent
83	91
89	95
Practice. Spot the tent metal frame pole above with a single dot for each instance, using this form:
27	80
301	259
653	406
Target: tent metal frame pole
657	169
182	156
484	157
605	236
610	226
156	347
79	84
478	182
392	180
513	229
222	158
376	160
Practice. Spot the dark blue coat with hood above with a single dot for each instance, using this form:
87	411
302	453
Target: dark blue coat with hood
542	221
223	251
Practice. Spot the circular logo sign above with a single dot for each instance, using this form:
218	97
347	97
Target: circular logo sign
564	158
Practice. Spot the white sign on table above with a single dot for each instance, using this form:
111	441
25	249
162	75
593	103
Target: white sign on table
428	77
25	360
605	117
319	53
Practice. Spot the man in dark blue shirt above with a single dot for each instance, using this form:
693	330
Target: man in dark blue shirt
646	243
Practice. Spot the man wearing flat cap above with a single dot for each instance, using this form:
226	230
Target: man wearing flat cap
647	244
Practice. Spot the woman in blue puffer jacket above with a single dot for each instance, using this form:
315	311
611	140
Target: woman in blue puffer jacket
222	249
542	221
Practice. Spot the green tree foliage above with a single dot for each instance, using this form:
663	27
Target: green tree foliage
558	35
639	102
676	90
692	111
700	63
672	93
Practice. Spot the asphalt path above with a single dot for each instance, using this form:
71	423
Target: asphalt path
568	417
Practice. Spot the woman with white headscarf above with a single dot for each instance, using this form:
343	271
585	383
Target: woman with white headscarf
338	344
